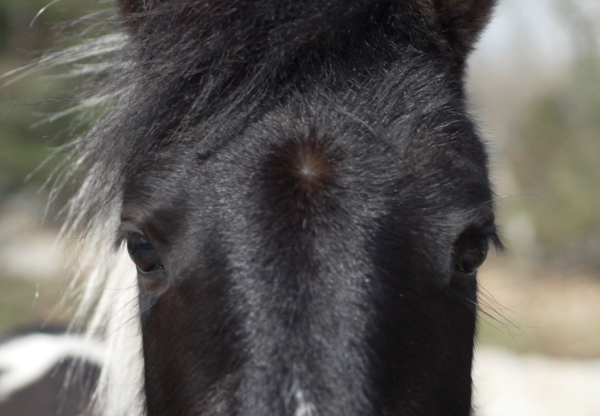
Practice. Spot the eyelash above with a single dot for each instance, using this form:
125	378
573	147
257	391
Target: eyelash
470	252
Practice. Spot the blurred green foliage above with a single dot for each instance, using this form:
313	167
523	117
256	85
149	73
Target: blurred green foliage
23	301
556	157
25	35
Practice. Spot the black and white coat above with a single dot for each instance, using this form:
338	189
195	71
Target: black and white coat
288	203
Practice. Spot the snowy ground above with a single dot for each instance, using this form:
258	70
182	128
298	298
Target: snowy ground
510	385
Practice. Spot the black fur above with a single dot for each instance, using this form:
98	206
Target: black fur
309	183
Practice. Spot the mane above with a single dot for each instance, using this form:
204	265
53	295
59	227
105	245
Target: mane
104	285
135	76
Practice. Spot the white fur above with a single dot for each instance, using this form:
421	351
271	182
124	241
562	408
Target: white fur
26	359
74	58
303	406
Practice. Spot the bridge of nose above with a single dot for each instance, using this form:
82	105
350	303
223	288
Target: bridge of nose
302	273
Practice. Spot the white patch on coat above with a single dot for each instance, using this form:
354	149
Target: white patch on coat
26	359
303	406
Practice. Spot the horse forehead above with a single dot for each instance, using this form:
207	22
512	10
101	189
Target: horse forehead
315	186
305	165
313	151
312	160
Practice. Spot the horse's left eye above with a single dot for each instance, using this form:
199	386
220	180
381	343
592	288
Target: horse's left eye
143	253
469	258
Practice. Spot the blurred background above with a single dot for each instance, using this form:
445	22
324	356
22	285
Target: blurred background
534	84
32	262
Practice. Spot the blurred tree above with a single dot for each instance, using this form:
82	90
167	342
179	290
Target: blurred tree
582	17
24	34
556	156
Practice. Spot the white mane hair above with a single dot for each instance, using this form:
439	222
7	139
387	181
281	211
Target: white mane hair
104	286
109	296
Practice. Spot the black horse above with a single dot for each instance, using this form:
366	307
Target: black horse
306	202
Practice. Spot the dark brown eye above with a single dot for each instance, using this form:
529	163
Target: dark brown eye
470	257
142	253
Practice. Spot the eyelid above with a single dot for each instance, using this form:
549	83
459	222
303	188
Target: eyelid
486	230
491	234
125	229
485	226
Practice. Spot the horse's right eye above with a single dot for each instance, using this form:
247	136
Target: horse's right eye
471	257
143	253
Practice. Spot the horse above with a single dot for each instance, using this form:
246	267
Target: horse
287	203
